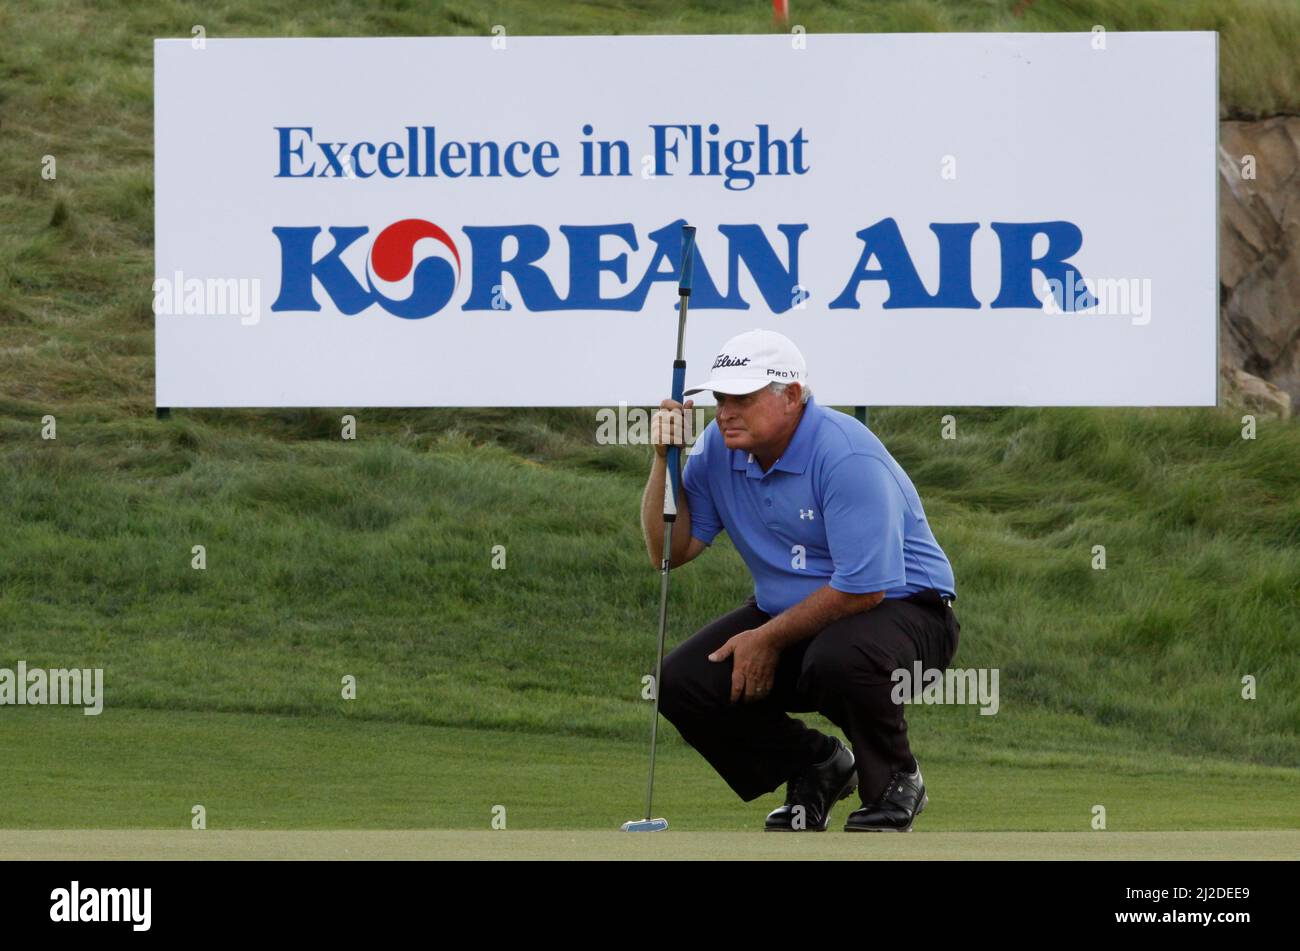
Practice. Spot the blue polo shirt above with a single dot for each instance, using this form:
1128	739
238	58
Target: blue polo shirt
835	508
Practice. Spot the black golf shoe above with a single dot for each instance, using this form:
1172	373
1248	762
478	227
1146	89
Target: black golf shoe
817	790
901	803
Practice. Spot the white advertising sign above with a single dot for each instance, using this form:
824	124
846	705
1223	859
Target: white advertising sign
945	219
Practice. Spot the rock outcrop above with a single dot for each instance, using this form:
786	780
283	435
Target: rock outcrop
1259	263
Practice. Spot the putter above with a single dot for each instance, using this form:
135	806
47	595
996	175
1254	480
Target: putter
672	485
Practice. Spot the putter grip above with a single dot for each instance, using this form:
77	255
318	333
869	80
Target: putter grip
674	487
675	452
688	261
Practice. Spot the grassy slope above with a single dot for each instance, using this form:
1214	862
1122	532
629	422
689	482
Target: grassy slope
373	558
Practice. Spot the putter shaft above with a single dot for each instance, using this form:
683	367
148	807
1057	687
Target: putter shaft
673	464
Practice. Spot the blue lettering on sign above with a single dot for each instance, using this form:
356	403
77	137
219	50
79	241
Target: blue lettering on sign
297	270
1064	239
884	242
302	156
595	251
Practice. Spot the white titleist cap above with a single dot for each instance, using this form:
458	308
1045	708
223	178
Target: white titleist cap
752	360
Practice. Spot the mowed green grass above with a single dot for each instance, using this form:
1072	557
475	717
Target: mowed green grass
134	769
478	686
509	845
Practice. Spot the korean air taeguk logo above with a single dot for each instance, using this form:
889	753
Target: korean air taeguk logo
392	259
393	278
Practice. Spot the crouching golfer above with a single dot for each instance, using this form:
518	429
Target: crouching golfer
849	586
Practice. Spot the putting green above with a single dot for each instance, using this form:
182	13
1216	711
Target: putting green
82	844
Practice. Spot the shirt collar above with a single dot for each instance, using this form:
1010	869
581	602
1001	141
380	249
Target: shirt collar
797	453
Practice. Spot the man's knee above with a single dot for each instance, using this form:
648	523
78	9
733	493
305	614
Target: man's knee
672	687
690	682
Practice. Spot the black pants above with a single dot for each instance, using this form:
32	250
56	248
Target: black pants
842	672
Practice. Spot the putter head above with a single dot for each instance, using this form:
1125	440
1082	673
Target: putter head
645	825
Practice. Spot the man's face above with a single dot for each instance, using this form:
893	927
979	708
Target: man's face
757	421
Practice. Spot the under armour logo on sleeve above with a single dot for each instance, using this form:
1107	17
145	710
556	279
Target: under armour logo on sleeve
806	513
